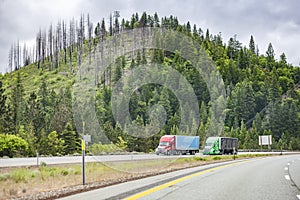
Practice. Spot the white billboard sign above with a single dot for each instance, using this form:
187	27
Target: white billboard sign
265	139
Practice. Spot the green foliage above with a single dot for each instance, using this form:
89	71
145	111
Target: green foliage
69	139
121	144
100	149
12	145
55	144
217	158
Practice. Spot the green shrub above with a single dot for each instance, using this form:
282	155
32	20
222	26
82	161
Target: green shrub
20	175
43	164
216	158
197	158
64	172
4	177
12	145
52	81
36	81
59	78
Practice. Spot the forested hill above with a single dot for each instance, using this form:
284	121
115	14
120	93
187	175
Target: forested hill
263	95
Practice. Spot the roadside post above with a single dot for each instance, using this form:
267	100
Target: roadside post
84	141
234	152
83	154
37	158
83	161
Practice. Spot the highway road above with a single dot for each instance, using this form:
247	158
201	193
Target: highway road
17	162
274	178
14	162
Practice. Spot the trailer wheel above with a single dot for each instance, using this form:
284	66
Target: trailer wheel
168	152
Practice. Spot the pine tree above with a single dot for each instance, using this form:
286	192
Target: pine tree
17	102
156	20
270	53
3	107
252	45
71	140
118	71
203	113
283	59
144	20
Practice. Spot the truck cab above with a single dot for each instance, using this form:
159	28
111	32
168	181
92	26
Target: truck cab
166	145
211	146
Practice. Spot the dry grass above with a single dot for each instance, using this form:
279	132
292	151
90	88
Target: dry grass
16	182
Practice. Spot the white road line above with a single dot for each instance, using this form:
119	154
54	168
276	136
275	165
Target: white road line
287	177
298	196
286	168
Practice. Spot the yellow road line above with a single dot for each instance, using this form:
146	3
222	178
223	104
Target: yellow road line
160	187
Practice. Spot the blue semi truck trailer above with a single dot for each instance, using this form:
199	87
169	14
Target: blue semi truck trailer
178	145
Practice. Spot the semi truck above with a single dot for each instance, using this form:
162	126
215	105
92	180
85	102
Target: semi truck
220	145
178	145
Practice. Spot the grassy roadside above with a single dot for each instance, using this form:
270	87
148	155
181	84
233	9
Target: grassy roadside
24	181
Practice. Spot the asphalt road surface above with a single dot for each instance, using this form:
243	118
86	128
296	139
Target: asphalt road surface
274	178
11	162
17	162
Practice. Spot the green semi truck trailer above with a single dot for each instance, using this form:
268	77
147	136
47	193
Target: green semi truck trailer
220	146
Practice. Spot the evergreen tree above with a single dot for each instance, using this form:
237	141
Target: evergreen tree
3	107
156	20
283	59
55	145
252	45
203	113
118	71
71	140
17	102
270	53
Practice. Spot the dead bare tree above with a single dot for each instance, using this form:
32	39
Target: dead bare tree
44	46
17	55
10	58
64	35
71	41
90	29
38	48
50	46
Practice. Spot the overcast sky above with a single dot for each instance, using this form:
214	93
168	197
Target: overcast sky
274	21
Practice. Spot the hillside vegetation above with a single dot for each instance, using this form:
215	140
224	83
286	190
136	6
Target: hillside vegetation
262	93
